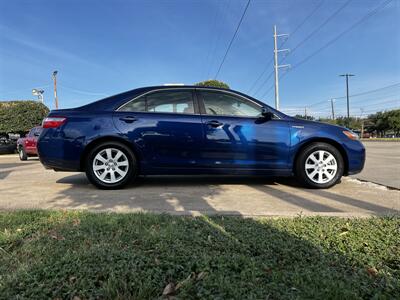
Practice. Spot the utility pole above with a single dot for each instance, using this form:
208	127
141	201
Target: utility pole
305	112
362	123
55	88
333	109
347	95
277	66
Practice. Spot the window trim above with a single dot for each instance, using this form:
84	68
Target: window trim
203	108
199	108
191	90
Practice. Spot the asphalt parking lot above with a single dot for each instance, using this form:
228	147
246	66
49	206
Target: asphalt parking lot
27	185
383	164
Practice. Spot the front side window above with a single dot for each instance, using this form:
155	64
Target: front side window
137	105
180	102
217	103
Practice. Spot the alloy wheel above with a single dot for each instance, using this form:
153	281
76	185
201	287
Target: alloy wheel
321	166
110	165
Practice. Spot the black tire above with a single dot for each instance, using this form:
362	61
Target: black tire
22	154
131	172
300	168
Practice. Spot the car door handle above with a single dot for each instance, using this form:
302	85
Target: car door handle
128	119
214	123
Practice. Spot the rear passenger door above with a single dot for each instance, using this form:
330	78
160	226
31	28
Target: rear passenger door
30	142
165	126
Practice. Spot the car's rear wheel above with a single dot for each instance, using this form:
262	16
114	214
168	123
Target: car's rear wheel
111	165
319	165
22	154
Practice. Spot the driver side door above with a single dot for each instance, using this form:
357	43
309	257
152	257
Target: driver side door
236	136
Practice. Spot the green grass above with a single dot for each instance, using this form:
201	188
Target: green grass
135	256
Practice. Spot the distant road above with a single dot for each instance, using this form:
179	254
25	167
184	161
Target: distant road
383	163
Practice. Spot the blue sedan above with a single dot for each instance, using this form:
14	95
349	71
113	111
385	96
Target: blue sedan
191	130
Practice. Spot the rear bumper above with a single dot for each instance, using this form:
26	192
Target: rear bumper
59	154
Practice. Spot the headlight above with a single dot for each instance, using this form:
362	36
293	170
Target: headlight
351	135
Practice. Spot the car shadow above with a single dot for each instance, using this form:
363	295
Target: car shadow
210	195
13	165
7	168
183	180
155	194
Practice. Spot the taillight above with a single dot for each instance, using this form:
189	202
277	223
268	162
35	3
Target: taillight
53	122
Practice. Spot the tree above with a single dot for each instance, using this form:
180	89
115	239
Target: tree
351	123
394	121
304	117
327	120
213	83
21	116
381	122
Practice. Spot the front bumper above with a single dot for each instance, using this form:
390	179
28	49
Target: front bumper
356	155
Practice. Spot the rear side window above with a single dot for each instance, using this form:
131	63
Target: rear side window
179	102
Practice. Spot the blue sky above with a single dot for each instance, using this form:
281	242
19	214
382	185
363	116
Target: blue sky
102	48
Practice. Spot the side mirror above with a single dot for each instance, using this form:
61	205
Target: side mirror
36	134
268	115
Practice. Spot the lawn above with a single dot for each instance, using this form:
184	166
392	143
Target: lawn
62	255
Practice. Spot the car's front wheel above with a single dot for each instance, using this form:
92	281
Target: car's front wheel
111	165
319	165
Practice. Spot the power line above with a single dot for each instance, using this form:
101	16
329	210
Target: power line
358	94
370	14
233	38
210	48
320	26
218	37
371	91
292	110
384	102
305	20
261	75
283	43
81	91
264	82
268	91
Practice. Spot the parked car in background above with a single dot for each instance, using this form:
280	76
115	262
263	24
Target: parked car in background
194	130
8	143
27	146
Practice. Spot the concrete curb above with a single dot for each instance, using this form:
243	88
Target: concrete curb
379	141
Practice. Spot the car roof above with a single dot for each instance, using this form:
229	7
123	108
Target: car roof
115	101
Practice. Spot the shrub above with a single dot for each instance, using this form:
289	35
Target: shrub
21	116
